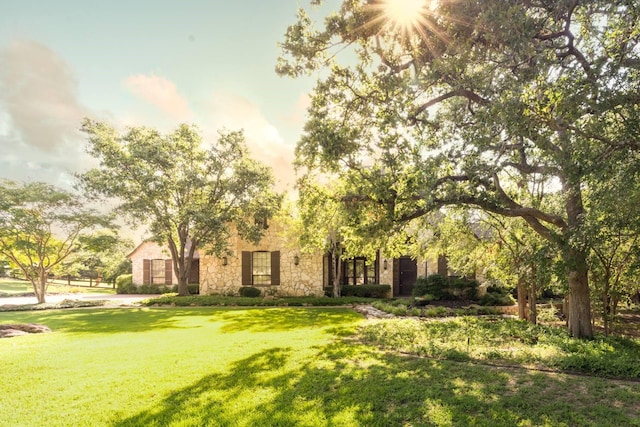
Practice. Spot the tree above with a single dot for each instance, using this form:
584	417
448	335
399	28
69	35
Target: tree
320	222
615	225
453	102
190	197
39	228
101	256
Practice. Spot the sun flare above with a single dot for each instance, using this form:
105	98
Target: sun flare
404	14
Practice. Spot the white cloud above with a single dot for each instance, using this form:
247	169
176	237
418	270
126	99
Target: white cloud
299	114
226	110
161	93
40	116
38	95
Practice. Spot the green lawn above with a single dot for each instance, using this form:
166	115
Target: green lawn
9	287
270	367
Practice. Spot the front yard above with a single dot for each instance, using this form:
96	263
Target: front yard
187	366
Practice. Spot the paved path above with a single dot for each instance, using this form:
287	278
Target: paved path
114	299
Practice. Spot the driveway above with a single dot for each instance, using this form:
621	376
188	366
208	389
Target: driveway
114	299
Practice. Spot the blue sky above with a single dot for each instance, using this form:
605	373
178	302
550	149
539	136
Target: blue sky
142	62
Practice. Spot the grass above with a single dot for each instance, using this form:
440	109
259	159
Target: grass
508	342
12	287
231	301
270	367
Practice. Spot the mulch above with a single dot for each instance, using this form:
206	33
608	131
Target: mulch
18	329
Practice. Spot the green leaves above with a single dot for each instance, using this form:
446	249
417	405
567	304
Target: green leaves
188	193
40	226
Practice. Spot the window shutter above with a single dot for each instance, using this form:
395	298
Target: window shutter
168	272
275	268
247	270
146	271
442	266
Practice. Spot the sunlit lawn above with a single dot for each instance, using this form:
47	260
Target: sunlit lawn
11	287
269	367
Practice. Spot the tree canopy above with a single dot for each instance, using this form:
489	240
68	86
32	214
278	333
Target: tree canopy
470	102
189	196
40	226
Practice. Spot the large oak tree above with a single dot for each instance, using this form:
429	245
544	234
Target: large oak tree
189	195
452	102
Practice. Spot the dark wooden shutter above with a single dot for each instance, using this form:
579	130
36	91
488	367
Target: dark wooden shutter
442	266
146	271
247	269
168	272
275	267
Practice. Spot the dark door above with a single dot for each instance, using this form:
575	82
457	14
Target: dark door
408	273
194	274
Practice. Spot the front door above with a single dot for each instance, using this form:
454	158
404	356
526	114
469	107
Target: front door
408	274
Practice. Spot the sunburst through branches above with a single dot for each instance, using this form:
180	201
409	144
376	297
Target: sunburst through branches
408	18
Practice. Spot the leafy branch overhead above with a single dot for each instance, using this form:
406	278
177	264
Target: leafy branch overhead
474	104
188	193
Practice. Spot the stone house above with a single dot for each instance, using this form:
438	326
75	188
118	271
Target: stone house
277	266
151	264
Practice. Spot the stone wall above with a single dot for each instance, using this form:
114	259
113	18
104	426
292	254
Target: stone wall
304	279
147	250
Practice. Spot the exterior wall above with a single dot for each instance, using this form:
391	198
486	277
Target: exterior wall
304	279
428	266
147	250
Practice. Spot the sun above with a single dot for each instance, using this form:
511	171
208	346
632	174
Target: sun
406	17
404	14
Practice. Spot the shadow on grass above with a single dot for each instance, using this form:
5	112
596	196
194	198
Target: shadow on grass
112	321
353	385
282	319
109	321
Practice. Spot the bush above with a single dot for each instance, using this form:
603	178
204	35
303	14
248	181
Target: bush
365	291
250	291
124	284
497	296
194	289
436	286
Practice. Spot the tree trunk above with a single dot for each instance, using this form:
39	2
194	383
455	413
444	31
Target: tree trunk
522	299
337	277
579	315
606	304
41	287
533	317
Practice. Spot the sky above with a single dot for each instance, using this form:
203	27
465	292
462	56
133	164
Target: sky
154	63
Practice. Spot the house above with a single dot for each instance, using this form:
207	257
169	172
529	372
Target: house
151	264
277	266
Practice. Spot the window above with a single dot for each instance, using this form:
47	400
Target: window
357	272
261	268
157	271
262	222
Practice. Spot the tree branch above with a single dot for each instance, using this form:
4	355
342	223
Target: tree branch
470	95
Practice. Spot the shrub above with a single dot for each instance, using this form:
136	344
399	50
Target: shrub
194	289
436	285
497	296
365	291
250	291
124	284
465	288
